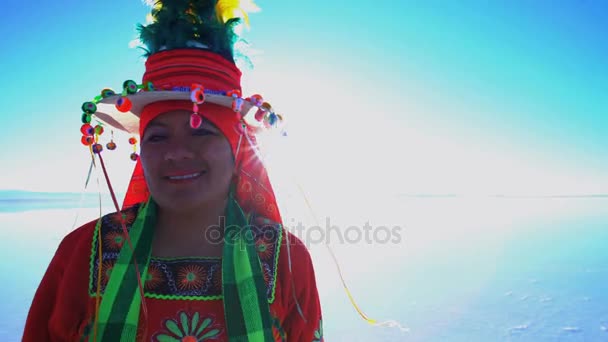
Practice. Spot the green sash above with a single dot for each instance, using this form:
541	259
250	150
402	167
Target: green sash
244	291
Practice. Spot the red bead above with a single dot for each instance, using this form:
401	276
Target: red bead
134	156
87	140
132	141
111	146
256	99
259	114
123	104
234	93
240	127
197	96
195	121
87	129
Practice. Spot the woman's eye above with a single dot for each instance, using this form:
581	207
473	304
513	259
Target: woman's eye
155	138
202	132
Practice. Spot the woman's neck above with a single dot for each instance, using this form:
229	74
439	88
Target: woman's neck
190	233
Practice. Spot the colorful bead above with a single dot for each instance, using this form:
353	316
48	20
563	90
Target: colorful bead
107	92
89	107
197	96
195	108
134	156
111	145
272	119
87	129
259	114
256	100
149	86
87	140
266	106
237	104
130	86
132	140
123	104
85	118
97	148
195	120
99	129
240	127
234	93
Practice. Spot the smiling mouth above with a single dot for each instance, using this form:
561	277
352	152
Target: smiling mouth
185	177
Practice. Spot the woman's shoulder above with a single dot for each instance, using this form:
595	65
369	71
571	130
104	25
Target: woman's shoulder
84	233
76	237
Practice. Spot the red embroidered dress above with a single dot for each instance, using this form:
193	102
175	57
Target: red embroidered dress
183	295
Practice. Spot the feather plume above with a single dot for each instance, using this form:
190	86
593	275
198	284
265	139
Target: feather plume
174	24
230	9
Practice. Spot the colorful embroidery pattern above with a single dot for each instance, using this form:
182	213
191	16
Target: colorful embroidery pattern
182	278
188	329
277	331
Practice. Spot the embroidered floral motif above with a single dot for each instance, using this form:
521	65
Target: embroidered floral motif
191	277
188	329
127	215
265	248
154	277
182	278
114	241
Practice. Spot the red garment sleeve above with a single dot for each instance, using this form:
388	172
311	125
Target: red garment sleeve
303	321
43	304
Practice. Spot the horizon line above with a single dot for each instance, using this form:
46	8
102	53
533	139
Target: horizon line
406	195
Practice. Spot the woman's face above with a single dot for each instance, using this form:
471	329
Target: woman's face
185	168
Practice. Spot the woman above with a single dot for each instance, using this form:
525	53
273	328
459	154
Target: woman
198	251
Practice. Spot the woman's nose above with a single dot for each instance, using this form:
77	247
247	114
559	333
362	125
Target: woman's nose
178	151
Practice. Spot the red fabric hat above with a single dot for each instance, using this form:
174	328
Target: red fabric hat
177	69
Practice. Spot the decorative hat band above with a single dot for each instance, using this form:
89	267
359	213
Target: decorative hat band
176	75
184	67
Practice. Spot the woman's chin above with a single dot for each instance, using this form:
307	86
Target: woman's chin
182	201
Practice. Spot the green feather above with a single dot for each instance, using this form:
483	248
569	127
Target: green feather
177	22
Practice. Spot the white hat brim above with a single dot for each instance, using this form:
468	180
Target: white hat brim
129	121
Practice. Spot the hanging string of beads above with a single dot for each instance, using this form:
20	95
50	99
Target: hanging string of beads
111	145
134	155
130	87
197	96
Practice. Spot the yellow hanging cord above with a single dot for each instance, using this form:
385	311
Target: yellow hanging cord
348	293
388	323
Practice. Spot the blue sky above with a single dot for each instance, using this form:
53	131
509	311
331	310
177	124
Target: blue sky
402	96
